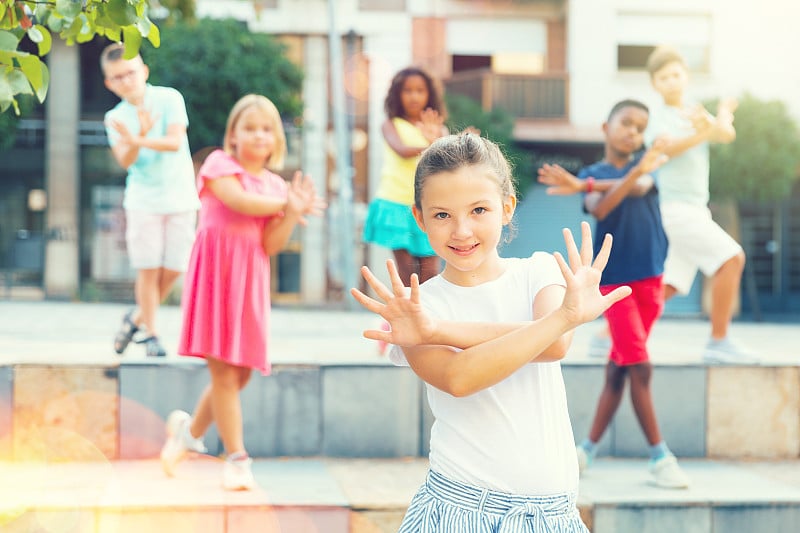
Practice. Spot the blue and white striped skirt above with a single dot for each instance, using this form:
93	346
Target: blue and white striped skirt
445	506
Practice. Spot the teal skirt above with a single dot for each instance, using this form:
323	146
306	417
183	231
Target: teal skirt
392	226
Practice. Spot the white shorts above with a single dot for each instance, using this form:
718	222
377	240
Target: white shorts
695	242
158	240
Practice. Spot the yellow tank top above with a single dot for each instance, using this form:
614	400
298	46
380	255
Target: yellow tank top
397	174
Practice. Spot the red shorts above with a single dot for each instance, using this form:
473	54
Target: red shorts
631	319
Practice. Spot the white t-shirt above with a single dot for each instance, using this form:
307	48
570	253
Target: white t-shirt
516	435
683	178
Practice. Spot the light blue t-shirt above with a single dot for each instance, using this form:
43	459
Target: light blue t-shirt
683	178
157	182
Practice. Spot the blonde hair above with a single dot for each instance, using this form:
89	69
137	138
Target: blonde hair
262	103
662	56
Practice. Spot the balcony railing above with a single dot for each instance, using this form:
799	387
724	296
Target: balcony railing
542	96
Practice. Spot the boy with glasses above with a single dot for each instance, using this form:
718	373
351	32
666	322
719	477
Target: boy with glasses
147	135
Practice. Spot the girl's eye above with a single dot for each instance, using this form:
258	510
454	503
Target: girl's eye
479	210
440	216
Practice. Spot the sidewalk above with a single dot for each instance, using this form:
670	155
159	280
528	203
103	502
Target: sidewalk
51	332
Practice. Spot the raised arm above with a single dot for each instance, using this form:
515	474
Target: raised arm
477	367
302	200
706	128
396	143
126	150
229	191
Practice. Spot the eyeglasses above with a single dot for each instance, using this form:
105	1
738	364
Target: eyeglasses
119	78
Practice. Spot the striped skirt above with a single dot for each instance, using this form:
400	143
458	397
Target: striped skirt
445	506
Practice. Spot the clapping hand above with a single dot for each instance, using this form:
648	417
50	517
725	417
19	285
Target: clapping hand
583	301
559	181
401	308
302	199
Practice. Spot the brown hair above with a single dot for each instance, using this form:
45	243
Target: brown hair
452	152
263	103
393	105
661	56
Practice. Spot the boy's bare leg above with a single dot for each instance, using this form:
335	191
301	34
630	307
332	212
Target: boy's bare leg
166	281
642	401
609	400
148	297
669	292
724	287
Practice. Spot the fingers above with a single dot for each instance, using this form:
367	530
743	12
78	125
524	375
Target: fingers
586	244
397	284
366	302
572	250
601	260
616	295
565	270
380	289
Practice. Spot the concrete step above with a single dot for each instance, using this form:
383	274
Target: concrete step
370	496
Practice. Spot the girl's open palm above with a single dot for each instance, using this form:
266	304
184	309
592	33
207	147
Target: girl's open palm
583	301
401	308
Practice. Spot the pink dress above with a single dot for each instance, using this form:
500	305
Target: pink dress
226	298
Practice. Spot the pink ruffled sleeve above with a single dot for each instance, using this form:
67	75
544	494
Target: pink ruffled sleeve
218	164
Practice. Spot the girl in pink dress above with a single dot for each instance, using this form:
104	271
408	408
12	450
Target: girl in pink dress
247	214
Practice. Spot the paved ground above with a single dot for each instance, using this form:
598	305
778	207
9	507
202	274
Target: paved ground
55	332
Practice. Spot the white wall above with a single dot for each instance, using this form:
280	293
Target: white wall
750	44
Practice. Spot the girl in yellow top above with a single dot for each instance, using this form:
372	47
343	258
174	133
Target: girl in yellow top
415	114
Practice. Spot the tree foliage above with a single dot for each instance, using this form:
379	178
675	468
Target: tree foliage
764	161
74	21
213	63
496	125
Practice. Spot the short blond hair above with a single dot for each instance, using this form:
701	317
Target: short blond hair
264	104
661	56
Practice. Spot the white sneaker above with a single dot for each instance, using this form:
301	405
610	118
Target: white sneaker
599	345
728	352
668	474
179	441
584	459
238	475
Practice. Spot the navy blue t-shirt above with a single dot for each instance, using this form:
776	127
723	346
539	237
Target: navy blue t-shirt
640	244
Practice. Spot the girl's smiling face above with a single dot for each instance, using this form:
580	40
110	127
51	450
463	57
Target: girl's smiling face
463	212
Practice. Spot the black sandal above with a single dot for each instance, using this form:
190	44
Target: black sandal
125	333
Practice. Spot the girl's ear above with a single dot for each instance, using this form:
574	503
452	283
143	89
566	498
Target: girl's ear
418	217
509	206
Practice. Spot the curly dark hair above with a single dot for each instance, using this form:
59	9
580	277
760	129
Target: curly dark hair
393	105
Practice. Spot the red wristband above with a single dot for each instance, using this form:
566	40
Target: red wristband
589	184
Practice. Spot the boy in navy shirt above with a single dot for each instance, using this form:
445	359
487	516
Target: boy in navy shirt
620	193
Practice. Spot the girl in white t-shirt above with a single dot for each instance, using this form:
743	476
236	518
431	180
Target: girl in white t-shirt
502	457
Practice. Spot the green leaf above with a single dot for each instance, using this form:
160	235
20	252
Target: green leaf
32	67
41	92
18	82
69	8
47	40
121	12
8	41
113	34
133	41
154	36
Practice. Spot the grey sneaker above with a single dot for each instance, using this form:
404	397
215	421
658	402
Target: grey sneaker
599	345
728	352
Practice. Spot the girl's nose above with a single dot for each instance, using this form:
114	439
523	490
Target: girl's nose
462	229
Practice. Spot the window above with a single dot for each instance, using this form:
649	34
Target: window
638	34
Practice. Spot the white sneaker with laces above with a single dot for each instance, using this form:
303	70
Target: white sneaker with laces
668	474
179	441
238	475
599	345
728	352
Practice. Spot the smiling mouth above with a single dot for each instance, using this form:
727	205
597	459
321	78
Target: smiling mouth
463	250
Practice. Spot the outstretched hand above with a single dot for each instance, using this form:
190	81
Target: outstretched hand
654	157
559	180
583	301
431	124
302	198
401	308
